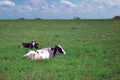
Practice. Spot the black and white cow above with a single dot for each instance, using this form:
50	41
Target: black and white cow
31	45
45	53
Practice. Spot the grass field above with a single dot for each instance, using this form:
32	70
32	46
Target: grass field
92	49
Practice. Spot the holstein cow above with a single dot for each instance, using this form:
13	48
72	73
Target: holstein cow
31	45
45	53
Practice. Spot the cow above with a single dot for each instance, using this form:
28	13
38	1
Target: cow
45	53
31	45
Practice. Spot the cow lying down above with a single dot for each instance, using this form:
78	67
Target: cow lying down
45	53
31	45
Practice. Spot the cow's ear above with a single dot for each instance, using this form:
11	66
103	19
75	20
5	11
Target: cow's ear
52	48
55	45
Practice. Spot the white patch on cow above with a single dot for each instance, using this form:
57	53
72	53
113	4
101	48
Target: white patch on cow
33	43
44	53
30	54
62	49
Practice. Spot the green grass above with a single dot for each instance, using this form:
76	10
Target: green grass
92	47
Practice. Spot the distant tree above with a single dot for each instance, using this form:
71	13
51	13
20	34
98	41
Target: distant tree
38	19
116	17
76	18
21	18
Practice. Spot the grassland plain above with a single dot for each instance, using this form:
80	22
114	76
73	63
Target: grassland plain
92	47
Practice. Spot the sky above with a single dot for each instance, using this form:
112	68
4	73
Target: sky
59	9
